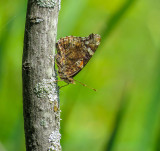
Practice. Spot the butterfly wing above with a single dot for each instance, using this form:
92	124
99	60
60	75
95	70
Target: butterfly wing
73	53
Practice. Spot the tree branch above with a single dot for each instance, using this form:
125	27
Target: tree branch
40	92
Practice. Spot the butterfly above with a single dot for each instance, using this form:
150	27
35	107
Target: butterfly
73	53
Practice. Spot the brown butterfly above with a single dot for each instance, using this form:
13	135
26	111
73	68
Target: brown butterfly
73	53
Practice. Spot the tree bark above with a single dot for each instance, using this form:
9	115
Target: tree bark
40	91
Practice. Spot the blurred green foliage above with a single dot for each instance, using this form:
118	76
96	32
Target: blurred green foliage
124	114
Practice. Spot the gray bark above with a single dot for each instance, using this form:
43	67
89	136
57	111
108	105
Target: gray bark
40	91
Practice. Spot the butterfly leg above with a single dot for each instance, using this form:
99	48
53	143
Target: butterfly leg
63	86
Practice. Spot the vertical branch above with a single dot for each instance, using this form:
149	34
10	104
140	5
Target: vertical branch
40	92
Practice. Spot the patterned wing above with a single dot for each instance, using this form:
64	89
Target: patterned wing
73	53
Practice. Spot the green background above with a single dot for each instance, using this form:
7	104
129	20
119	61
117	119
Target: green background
124	113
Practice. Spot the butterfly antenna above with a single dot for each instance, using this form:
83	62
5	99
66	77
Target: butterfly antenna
85	85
